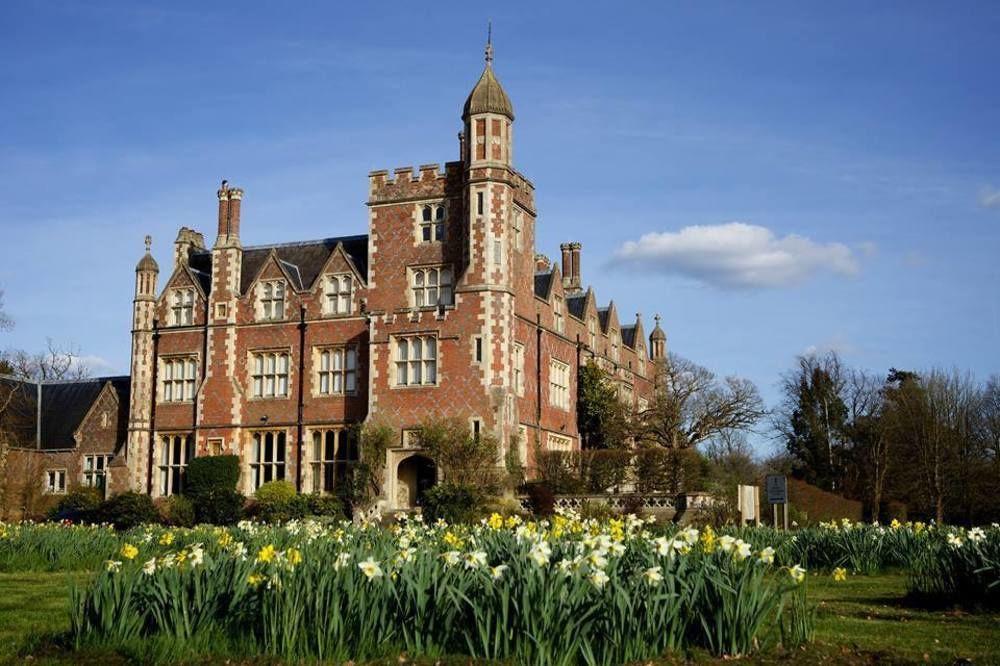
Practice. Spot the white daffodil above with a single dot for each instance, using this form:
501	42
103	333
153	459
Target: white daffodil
766	556
653	576
742	550
475	559
114	566
370	569
540	553
797	573
451	558
341	561
497	572
598	578
149	568
976	534
726	543
954	540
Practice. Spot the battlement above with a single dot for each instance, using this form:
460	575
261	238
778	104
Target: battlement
423	182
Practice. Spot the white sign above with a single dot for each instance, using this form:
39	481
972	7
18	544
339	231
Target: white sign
777	489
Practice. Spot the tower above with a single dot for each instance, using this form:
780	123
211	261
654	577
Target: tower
658	352
489	190
143	363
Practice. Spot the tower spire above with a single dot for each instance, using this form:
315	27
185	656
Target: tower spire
489	44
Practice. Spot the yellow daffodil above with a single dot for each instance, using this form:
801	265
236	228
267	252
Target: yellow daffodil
293	556
129	551
840	574
266	554
167	538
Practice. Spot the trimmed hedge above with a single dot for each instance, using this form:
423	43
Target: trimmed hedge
127	510
210	473
453	502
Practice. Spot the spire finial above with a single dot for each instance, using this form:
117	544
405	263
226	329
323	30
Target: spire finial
149	243
489	44
657	318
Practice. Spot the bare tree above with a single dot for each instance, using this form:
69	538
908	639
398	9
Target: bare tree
52	364
870	443
6	323
692	406
933	420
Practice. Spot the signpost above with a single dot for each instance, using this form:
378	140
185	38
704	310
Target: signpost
776	487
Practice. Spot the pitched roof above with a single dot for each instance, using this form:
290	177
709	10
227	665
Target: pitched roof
577	305
602	316
628	336
543	284
65	404
303	260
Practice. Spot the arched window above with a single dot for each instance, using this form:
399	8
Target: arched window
432	226
427	213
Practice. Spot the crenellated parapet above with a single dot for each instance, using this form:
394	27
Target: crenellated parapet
428	181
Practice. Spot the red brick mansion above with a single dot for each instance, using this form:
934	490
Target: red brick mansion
443	308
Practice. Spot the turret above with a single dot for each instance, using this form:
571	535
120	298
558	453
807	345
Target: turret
143	361
488	116
658	342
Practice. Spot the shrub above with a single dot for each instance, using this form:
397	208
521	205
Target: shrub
210	473
325	505
453	502
77	506
220	507
560	470
176	511
605	469
460	454
277	502
541	498
127	510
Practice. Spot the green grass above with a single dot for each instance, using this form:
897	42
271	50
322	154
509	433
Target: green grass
863	620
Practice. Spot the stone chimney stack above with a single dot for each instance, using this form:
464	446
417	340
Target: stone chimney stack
187	241
542	264
229	216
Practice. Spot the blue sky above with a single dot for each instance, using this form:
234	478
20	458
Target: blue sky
814	175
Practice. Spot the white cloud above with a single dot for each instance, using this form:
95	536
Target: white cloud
736	255
989	197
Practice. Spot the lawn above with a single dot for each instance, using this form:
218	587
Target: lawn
863	620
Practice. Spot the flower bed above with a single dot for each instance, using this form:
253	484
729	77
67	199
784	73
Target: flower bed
565	592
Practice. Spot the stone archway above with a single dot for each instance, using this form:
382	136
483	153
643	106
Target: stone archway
414	475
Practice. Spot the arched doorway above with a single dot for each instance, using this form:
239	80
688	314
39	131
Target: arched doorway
413	477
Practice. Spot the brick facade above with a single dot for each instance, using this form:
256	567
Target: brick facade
487	331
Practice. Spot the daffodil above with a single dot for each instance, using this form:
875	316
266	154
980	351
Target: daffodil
129	551
497	572
797	573
113	566
266	554
149	568
653	576
293	556
166	538
254	580
370	569
840	574
598	578
766	556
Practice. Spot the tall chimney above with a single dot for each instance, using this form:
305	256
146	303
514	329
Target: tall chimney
567	265
229	215
577	277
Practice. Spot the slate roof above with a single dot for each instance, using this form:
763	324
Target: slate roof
602	316
64	405
543	283
303	260
628	336
577	305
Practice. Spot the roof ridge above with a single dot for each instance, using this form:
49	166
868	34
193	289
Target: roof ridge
316	241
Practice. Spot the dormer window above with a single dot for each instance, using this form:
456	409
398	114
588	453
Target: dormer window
431	286
182	307
432	223
338	294
272	299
